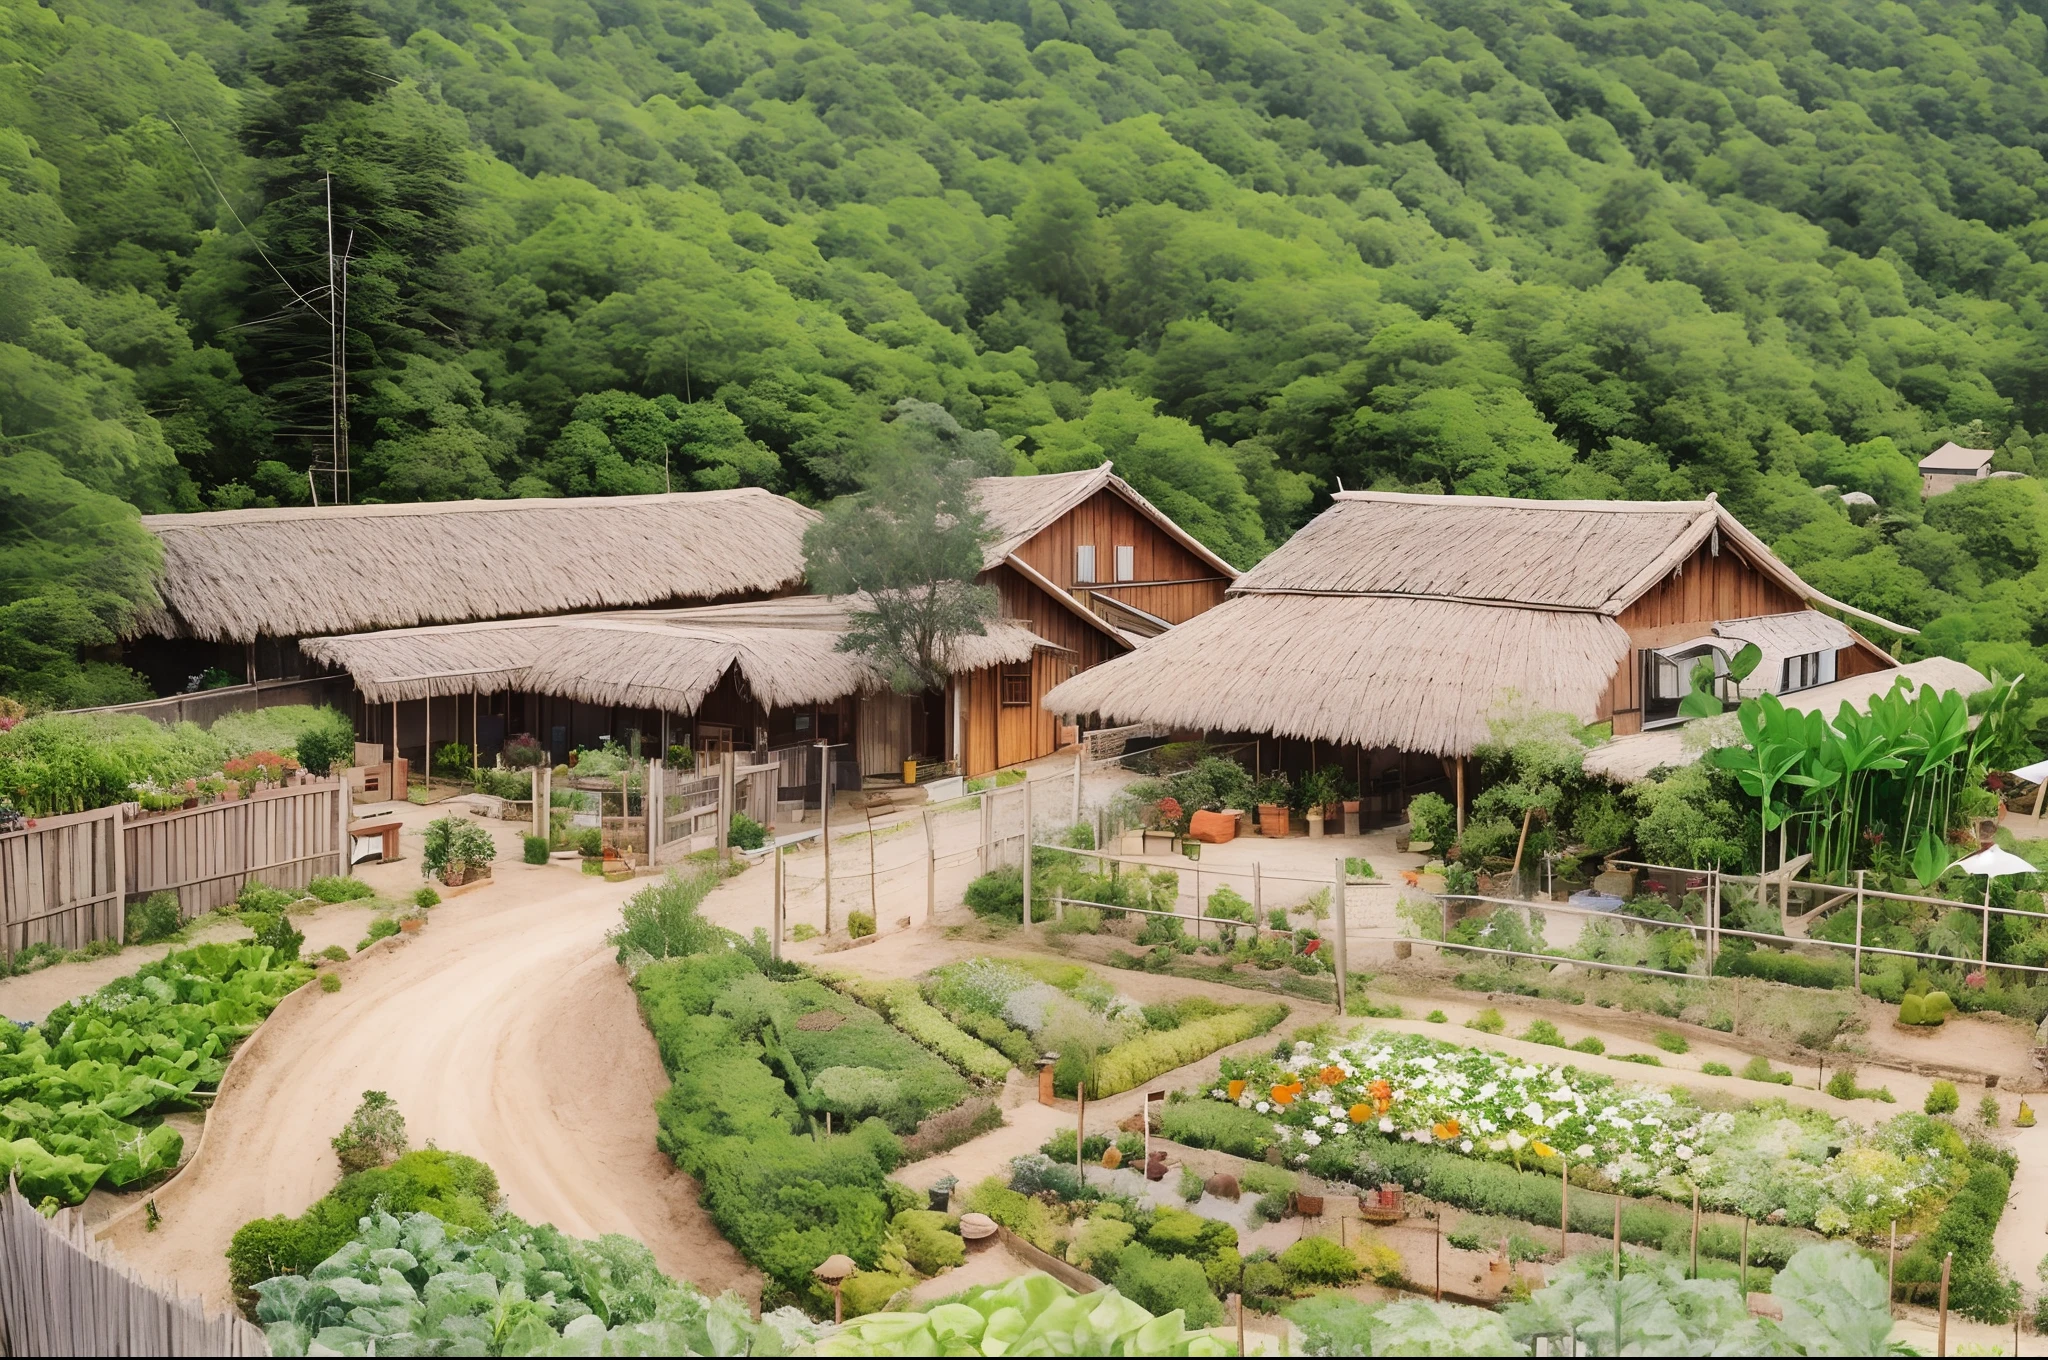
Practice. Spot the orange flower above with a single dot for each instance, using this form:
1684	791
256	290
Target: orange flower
1381	1090
1283	1095
1541	1148
1236	1089
1360	1113
1331	1075
1450	1129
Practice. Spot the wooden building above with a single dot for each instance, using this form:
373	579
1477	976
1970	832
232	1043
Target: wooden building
1390	634
1090	566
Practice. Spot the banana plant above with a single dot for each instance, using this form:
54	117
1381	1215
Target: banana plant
1701	701
1775	747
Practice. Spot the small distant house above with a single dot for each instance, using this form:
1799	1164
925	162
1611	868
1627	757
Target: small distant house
1951	465
1390	632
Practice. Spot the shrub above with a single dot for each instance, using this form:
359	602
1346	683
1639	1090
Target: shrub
454	843
374	1134
1139	1060
454	760
907	1009
155	917
1431	818
332	888
1590	1044
1161	1284
1774	966
1318	1261
929	1242
1759	1069
745	833
282	937
662	921
869	1291
1671	1043
334	953
256	896
859	925
330	983
1099	1243
1716	1069
325	744
1487	1021
1190	1183
1227	904
998	895
1543	1032
1942	1098
1219	1126
1842	1085
1646	1060
590	842
534	849
803	930
381	928
1437	1018
1987	1112
1021	1214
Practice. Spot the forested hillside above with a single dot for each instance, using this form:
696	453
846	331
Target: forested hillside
1244	249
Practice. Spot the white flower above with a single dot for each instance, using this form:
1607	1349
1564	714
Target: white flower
1311	1138
1386	1126
1244	1102
1534	1111
1216	1094
1300	1157
1583	1151
1497	1145
1465	1146
1321	1121
1517	1141
1263	1108
1685	1153
1869	1200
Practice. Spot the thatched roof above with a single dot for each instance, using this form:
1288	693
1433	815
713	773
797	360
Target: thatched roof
1412	675
232	575
1954	458
1597	556
1633	757
1411	622
1021	508
785	651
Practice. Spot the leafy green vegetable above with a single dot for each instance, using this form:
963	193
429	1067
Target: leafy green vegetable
1031	1315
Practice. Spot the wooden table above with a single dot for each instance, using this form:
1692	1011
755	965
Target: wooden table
387	831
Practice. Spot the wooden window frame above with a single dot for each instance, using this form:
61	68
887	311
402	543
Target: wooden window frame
1084	564
1125	566
1018	677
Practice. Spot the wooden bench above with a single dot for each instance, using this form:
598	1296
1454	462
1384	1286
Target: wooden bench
387	831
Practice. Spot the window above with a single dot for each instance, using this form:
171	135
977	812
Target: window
1016	686
1084	564
1801	672
1126	562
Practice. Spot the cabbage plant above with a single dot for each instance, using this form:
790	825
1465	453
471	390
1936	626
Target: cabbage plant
1030	1315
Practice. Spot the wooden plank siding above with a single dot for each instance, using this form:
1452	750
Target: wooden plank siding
999	734
1171	582
1706	589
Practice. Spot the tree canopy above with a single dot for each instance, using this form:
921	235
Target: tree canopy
1248	251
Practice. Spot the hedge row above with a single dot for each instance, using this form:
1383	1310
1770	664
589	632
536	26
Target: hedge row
905	1007
1138	1060
1979	1287
1773	966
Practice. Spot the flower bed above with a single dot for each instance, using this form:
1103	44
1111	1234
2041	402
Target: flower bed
1770	1161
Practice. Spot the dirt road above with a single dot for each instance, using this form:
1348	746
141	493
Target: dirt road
505	1031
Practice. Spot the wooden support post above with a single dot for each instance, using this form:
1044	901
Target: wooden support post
1339	930
1695	1232
1856	973
1461	795
393	771
1080	764
1258	893
475	756
427	737
1941	1328
931	866
1026	787
825	823
119	887
650	800
1564	1206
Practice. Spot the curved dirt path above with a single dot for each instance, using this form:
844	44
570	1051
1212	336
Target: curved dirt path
504	1030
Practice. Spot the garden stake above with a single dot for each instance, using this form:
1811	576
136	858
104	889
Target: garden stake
1617	1237
1436	1217
1745	1254
825	822
1941	1333
1025	787
1891	1266
1564	1205
1081	1115
1695	1232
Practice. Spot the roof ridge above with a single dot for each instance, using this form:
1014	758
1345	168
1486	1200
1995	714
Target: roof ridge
1527	503
279	513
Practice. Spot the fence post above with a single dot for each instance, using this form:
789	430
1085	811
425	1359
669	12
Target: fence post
120	849
726	804
776	912
1340	929
1258	894
825	823
1026	787
651	800
1856	976
988	826
931	867
344	848
1080	763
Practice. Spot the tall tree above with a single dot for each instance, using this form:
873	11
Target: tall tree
909	542
349	161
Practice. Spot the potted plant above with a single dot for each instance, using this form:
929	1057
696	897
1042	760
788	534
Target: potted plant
1271	794
457	851
941	1193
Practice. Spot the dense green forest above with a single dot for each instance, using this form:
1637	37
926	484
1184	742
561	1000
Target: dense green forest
1765	248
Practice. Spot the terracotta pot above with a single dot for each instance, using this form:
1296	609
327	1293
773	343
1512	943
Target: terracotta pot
1351	805
454	876
1308	1206
411	925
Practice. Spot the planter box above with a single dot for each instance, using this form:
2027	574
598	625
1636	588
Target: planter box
1272	820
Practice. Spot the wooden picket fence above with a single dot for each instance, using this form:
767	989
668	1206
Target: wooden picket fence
62	1293
67	879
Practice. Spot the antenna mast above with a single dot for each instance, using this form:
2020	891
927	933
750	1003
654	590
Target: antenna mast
334	464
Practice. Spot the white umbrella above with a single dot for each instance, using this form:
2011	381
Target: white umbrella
2036	773
1994	863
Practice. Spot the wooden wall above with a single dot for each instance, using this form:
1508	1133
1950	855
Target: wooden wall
1052	619
1172	582
1707	589
997	735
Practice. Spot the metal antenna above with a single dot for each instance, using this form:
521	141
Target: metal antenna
335	464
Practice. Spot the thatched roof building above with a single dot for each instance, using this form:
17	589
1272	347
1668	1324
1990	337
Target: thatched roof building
783	651
236	575
1405	623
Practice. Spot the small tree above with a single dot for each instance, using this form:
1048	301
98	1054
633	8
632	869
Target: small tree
910	544
373	1136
